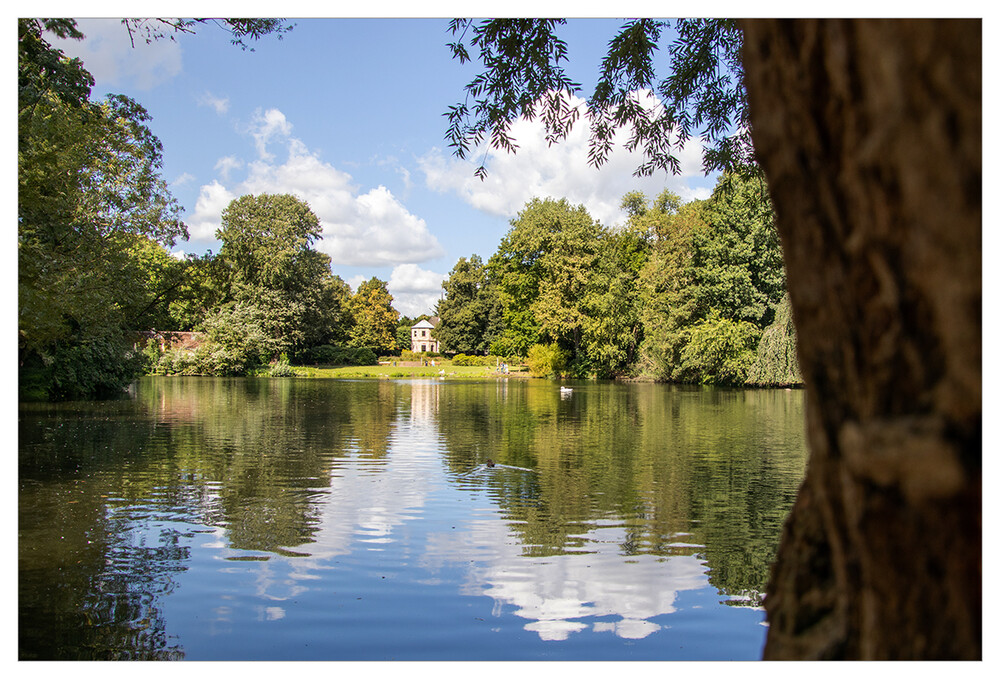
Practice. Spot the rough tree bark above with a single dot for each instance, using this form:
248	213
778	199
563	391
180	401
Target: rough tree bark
870	133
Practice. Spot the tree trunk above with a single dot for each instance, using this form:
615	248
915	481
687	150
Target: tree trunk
870	134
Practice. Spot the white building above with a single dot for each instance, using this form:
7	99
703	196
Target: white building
421	338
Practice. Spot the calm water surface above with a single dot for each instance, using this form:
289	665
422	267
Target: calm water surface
284	519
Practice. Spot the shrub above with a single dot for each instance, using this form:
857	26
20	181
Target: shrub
281	368
545	360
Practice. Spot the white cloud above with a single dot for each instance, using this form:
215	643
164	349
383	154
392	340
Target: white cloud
110	57
220	104
265	127
207	216
359	229
414	290
558	171
226	165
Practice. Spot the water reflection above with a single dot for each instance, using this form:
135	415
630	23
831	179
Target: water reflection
554	593
219	508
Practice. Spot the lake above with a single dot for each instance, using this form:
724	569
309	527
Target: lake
320	519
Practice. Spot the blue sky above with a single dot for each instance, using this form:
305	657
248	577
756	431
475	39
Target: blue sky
347	115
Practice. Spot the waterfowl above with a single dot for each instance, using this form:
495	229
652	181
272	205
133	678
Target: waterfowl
490	463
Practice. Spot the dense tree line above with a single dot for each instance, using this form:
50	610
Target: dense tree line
681	292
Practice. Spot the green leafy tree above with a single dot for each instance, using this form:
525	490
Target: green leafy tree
275	276
91	204
738	259
668	298
541	269
612	325
375	321
336	304
94	216
717	259
470	312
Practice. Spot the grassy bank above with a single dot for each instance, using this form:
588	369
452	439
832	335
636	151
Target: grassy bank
391	371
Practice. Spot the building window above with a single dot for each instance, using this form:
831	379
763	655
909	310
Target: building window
423	347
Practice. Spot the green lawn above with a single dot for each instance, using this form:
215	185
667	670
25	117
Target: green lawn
389	371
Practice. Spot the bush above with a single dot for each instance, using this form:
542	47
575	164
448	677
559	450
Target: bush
545	360
101	368
281	368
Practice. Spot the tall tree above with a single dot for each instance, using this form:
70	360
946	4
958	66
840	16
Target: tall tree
285	285
470	312
668	297
94	216
375	320
737	260
870	135
612	324
541	271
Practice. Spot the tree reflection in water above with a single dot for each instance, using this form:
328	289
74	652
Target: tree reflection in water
636	494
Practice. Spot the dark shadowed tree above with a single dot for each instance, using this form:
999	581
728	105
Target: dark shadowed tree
94	216
870	135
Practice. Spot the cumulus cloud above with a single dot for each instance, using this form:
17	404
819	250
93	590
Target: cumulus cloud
359	229
110	57
558	171
414	290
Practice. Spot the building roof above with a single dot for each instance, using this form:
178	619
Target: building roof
423	324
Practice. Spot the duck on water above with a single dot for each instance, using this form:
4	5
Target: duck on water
491	464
